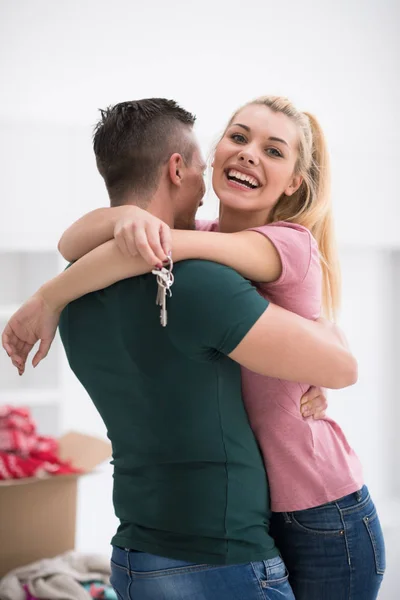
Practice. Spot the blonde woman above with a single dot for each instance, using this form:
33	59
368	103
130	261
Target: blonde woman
271	175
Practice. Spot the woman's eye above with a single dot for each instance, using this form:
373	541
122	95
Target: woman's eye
238	137
274	152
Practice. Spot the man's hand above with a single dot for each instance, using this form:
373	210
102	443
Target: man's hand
314	403
139	232
34	321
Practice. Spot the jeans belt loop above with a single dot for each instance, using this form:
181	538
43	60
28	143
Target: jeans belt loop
359	495
287	517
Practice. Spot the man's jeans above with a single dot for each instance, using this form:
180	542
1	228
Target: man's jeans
141	576
335	551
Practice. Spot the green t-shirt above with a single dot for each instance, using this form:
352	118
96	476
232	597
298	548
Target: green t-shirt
189	480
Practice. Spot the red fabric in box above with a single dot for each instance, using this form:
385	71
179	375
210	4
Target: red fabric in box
23	453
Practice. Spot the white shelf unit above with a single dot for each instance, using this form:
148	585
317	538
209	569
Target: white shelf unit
21	273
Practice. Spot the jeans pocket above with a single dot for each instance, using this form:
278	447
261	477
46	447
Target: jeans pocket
374	529
322	522
271	573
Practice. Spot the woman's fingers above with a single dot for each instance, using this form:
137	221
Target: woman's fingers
166	239
146	235
42	352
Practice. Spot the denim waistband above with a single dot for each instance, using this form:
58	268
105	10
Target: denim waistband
132	560
359	496
142	561
346	502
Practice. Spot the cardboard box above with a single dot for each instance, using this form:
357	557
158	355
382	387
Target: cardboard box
38	516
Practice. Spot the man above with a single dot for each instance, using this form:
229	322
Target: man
190	489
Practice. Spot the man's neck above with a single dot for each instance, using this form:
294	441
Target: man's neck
162	210
160	205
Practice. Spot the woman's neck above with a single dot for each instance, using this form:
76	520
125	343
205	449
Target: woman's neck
231	221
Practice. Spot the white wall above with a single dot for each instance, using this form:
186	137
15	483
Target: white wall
61	61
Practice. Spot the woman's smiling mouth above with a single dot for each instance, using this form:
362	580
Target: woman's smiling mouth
241	180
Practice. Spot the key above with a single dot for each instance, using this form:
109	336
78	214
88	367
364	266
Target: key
161	275
163	311
165	279
159	294
165	282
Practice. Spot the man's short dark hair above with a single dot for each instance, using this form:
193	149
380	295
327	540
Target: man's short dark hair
133	140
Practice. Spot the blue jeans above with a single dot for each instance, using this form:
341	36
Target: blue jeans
335	551
141	576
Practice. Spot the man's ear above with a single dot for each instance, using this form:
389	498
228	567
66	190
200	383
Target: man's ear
176	168
294	185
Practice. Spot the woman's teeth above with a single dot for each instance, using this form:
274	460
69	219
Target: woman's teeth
246	180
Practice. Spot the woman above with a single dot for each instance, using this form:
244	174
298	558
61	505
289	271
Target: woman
271	176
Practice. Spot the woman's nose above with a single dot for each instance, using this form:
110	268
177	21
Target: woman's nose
248	158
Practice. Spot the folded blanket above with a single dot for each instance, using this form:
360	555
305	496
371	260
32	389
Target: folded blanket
58	578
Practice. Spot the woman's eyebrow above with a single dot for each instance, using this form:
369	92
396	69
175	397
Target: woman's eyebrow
276	139
240	125
272	138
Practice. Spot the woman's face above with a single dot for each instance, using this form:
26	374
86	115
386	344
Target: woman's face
254	161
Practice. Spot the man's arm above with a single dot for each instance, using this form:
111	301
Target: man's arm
285	345
272	341
214	311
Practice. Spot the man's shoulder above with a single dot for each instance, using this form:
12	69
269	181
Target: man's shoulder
200	265
212	306
203	272
198	283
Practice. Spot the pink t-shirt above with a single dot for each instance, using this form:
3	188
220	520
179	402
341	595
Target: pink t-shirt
308	462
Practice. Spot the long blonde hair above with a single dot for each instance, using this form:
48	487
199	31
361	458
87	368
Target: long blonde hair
310	205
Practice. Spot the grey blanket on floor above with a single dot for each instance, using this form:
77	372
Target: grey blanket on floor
56	578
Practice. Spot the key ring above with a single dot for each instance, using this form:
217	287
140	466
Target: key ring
165	277
170	263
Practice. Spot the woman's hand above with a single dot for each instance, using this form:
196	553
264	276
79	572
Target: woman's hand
314	403
139	232
34	321
136	231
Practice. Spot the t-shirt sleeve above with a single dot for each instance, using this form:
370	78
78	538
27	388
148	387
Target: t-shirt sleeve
295	247
212	308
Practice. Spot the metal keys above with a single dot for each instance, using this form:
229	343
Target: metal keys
165	279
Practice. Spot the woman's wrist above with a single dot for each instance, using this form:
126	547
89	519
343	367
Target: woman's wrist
53	295
96	270
118	212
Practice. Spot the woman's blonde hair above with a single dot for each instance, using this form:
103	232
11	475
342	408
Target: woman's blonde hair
310	205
